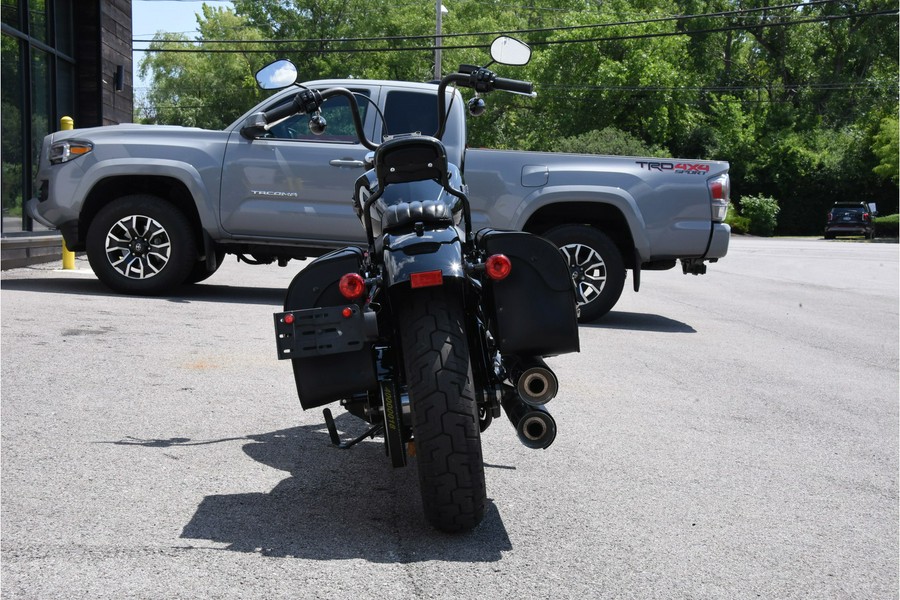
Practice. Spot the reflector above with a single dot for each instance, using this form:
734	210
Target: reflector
426	279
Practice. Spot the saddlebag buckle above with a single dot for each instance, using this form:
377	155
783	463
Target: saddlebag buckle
323	331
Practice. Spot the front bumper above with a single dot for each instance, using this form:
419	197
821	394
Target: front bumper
31	208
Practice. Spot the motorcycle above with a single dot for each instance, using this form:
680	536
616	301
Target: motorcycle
432	330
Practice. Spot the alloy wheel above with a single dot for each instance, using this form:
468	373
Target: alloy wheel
138	247
588	271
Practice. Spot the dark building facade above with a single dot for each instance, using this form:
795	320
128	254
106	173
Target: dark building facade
59	58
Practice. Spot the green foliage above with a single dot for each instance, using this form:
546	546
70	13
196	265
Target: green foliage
739	224
197	89
608	140
804	112
887	226
886	148
762	213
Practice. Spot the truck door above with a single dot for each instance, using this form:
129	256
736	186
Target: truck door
294	184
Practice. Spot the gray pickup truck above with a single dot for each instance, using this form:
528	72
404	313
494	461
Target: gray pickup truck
155	207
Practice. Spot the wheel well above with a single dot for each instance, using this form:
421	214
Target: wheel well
605	217
168	188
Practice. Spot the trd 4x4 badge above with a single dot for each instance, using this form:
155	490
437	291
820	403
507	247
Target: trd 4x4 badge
682	168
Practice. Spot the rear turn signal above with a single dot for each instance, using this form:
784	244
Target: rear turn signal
352	286
498	267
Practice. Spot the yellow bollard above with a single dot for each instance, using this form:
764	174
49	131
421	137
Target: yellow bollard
68	257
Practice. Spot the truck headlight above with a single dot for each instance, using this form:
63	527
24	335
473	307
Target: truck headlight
67	150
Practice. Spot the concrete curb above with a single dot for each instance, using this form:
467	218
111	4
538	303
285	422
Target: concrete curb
22	251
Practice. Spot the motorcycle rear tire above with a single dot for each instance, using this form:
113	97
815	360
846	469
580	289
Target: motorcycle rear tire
444	411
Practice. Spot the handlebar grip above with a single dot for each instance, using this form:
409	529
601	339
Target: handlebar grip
285	110
513	85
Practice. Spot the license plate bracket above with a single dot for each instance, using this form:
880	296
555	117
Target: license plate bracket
320	331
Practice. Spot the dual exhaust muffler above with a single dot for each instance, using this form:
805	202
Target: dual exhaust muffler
534	384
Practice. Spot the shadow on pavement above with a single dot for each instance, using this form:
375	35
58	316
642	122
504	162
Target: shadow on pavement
202	292
337	504
640	322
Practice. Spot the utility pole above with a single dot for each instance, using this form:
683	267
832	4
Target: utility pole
439	10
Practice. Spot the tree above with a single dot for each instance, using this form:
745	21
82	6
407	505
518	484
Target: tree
791	94
202	89
887	149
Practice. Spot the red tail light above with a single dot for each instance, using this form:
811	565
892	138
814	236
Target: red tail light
352	286
498	267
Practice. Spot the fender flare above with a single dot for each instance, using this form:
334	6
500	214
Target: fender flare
183	172
618	198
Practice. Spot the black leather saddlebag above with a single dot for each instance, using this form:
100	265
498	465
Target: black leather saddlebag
532	312
324	378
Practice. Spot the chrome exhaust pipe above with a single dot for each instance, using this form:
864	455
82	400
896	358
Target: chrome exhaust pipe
534	425
535	383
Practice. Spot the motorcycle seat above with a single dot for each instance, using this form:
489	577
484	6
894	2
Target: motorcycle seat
434	212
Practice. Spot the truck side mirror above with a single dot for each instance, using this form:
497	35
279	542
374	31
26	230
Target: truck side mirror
254	126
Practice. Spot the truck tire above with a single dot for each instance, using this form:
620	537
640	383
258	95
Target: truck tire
444	412
141	245
596	266
200	272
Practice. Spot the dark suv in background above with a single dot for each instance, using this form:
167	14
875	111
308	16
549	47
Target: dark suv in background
850	218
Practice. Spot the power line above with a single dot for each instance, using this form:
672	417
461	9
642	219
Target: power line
819	19
721	14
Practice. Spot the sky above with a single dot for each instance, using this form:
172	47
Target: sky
151	16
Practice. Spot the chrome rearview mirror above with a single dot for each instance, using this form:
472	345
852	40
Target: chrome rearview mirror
277	75
510	51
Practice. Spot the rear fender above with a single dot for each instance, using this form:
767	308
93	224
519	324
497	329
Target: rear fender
433	250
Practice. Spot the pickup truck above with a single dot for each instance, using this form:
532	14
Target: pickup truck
157	206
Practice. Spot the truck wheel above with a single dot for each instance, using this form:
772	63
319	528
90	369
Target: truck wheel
444	412
142	245
596	266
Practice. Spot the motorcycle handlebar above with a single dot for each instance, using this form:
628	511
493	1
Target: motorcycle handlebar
309	102
513	85
481	80
285	110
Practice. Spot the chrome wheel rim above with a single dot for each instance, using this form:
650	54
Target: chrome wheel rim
588	271
138	247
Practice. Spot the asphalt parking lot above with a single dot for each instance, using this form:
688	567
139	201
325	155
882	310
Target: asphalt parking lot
733	435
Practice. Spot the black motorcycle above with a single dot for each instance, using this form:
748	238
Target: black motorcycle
431	330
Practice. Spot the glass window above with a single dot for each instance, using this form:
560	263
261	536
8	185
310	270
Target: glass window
64	30
40	103
338	116
65	91
410	112
9	9
37	20
12	135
